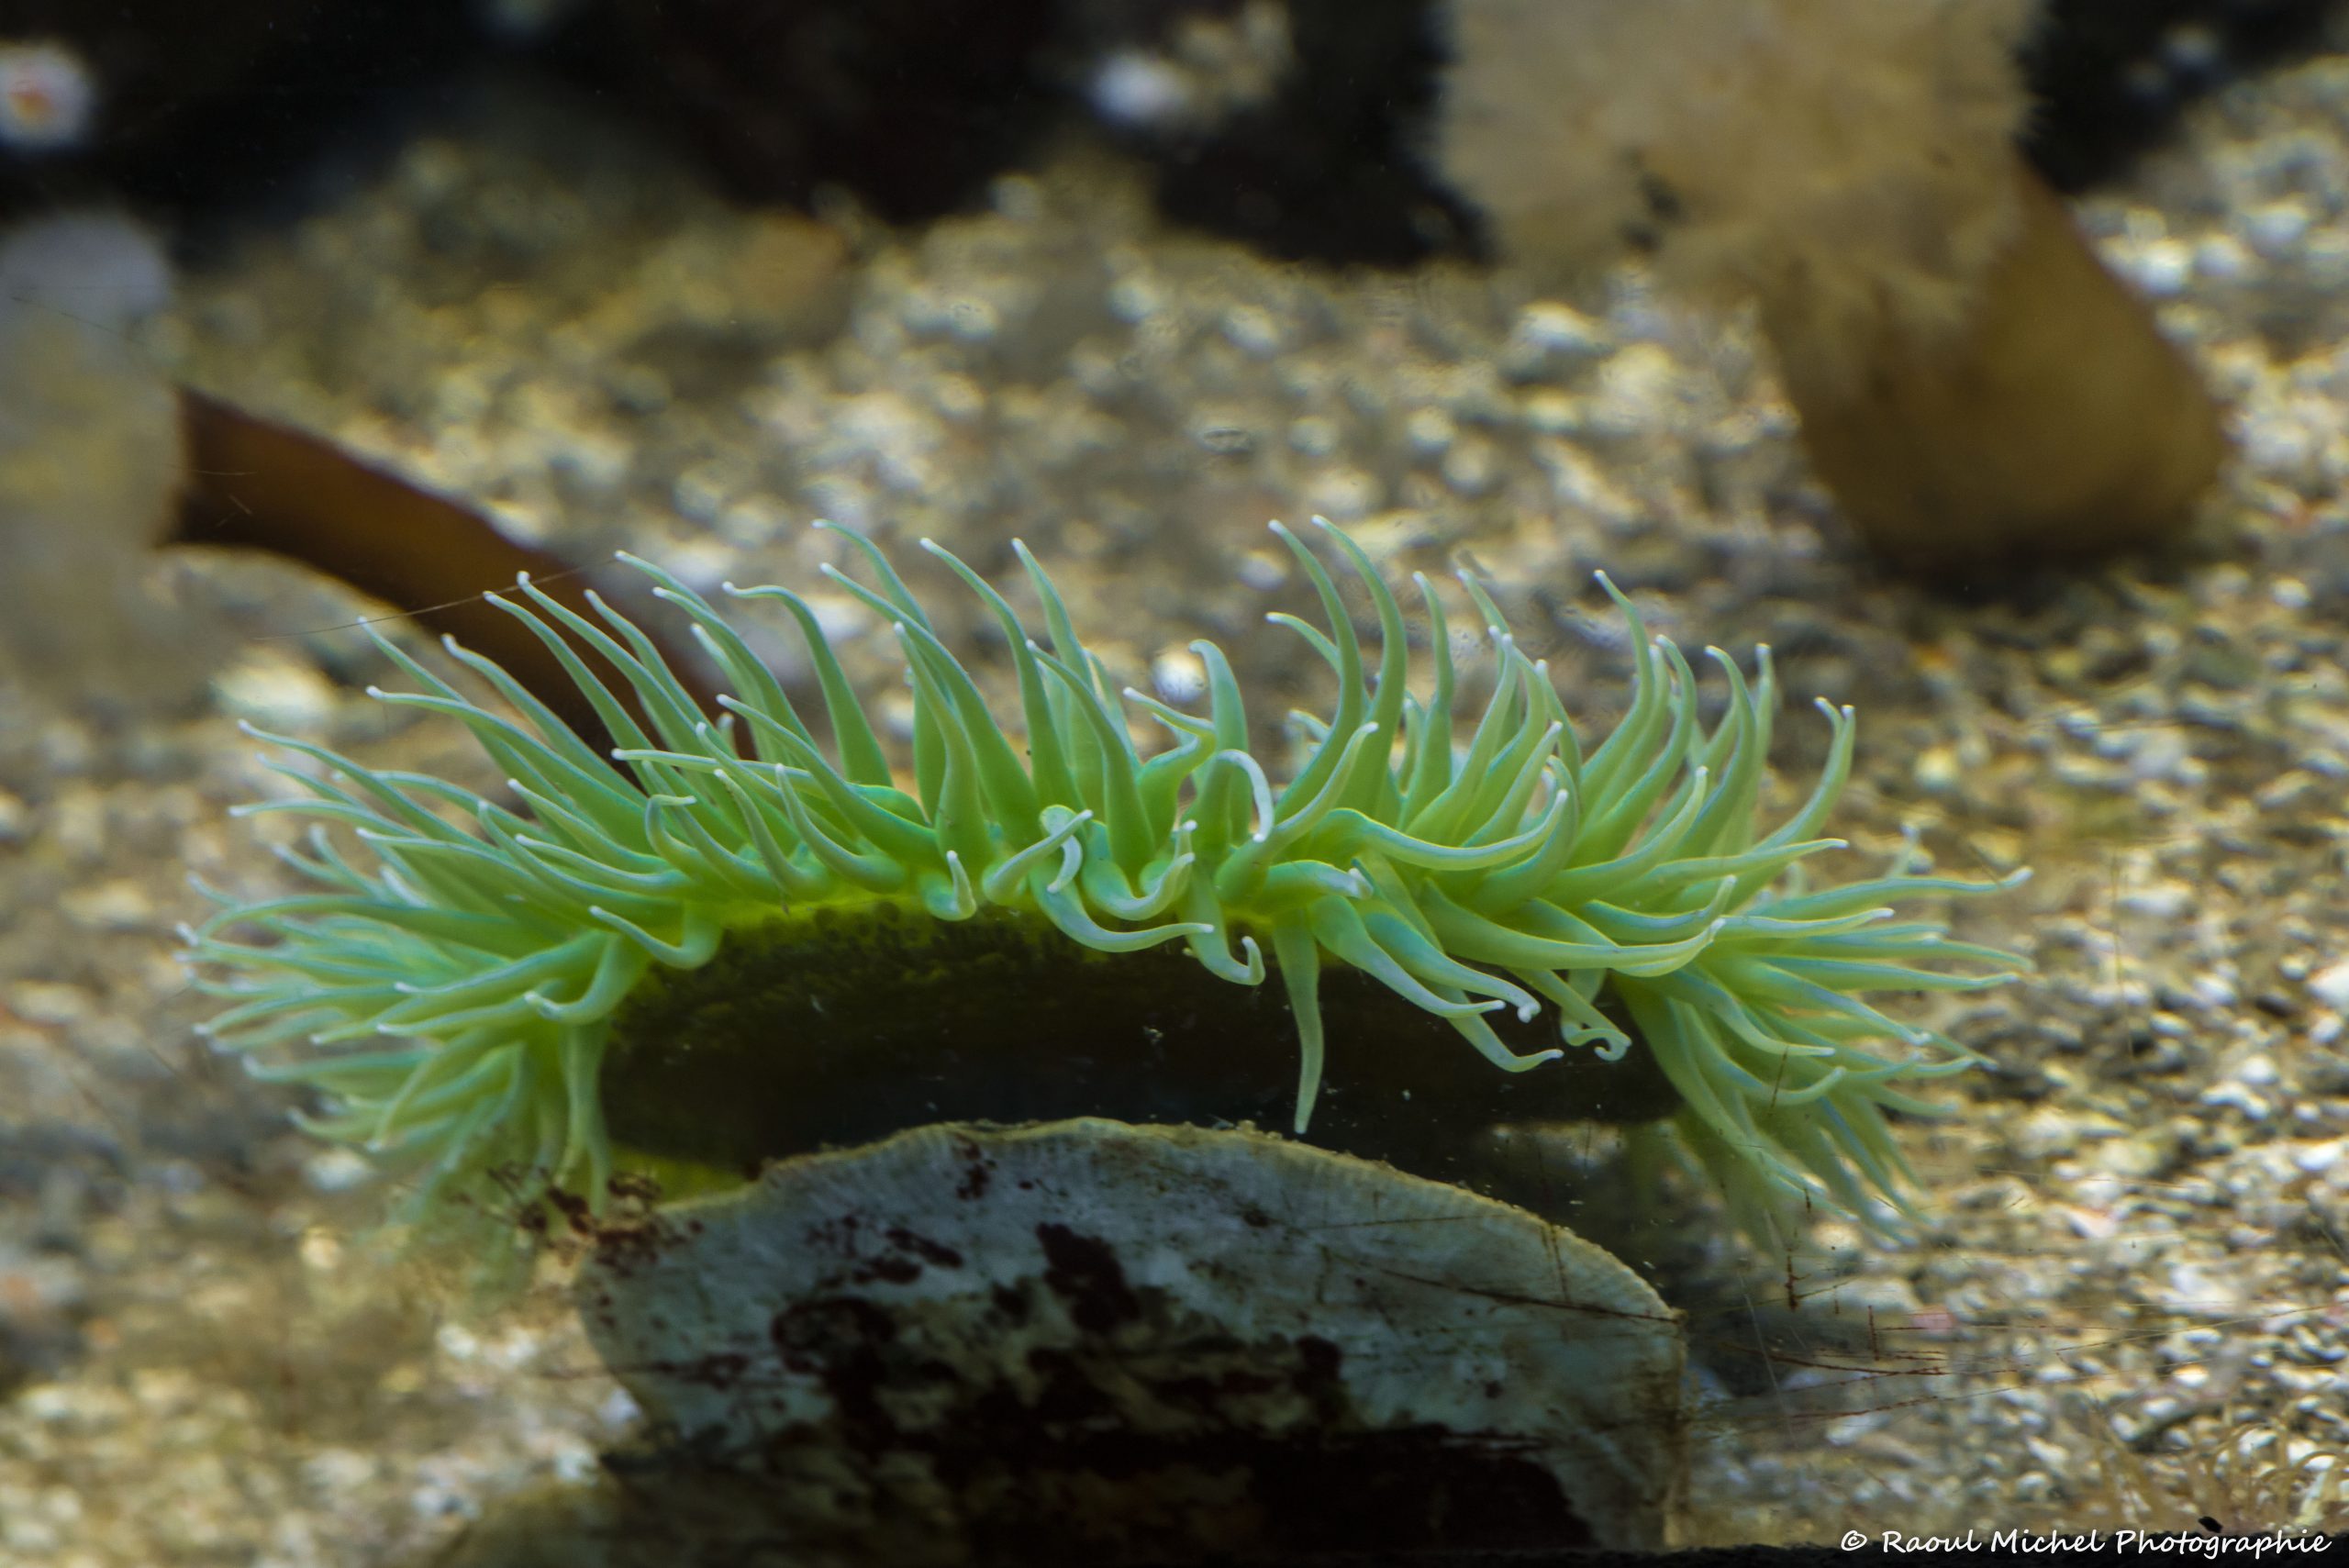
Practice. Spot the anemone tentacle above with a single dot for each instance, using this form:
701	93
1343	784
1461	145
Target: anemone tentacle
1503	870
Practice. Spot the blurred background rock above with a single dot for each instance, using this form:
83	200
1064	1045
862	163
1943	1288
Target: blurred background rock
1300	124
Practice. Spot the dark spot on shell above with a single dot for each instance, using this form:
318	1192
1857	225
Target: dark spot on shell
936	1254
840	1340
892	1268
1321	1361
977	1172
1083	1271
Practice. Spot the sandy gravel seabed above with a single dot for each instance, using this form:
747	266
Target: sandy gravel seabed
2140	1212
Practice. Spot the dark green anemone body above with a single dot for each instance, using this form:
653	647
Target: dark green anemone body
835	1028
752	941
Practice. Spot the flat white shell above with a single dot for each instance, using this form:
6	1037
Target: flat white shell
932	1325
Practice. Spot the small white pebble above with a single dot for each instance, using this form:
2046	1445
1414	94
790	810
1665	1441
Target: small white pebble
2276	228
337	1171
2223	259
1252	330
1552	412
2161	268
2329	985
1343	494
47	1402
839	617
2318	1158
276	691
1314	435
958	397
1135	298
2255	1108
1471	467
1264	570
973	320
2165	900
1429	431
1937	769
2216	992
1131	88
48	1002
1178	675
120	904
1554	327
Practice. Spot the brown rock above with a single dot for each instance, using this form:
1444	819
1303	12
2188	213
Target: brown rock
2055	422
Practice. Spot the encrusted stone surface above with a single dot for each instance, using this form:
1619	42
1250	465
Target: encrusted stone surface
977	1343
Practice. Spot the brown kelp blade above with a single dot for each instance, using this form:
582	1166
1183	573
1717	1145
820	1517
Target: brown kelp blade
254	483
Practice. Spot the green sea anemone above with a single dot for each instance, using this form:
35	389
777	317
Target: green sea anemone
1502	870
